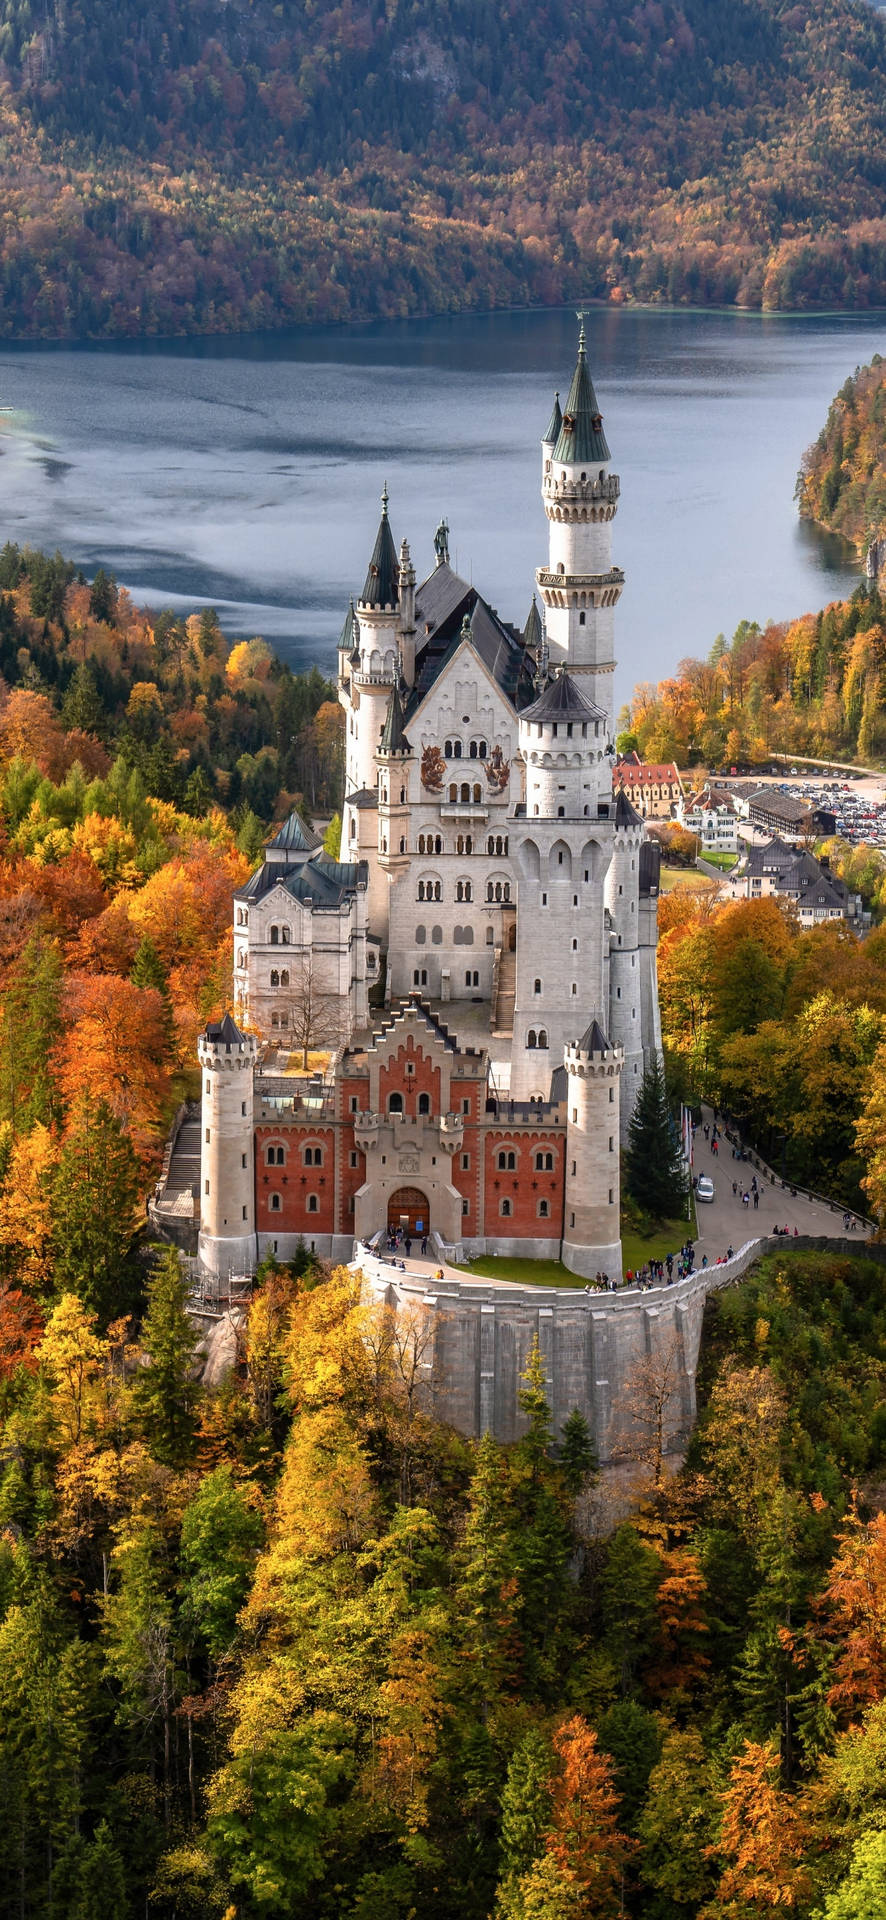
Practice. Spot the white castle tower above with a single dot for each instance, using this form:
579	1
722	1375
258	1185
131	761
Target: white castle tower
227	1243
626	972
580	587
591	1233
563	848
373	663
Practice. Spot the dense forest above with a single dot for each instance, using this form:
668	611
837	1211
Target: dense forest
288	1646
142	762
786	1028
228	166
816	685
842	481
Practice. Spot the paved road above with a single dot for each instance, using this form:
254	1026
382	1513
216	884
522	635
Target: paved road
726	1220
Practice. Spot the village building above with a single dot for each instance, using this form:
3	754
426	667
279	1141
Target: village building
794	874
480	963
654	788
712	815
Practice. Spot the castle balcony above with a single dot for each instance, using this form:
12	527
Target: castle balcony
375	677
607	487
452	1128
580	582
464	810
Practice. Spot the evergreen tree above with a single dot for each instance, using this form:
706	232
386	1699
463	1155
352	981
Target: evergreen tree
103	596
533	1403
83	706
31	1022
198	793
94	1201
525	1804
578	1454
655	1173
165	1390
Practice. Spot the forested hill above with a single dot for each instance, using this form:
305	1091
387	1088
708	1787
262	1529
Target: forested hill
842	481
224	165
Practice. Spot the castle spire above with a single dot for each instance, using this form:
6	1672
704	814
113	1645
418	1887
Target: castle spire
383	579
581	435
393	736
556	422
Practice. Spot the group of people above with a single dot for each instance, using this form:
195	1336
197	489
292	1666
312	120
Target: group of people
400	1239
751	1193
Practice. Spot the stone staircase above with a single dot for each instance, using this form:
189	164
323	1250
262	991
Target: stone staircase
506	992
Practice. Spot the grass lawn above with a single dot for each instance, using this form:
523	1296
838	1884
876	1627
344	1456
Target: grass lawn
725	861
665	1238
685	877
527	1273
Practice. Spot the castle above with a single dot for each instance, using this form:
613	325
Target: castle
482	958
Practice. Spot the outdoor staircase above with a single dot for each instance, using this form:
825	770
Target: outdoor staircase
505	992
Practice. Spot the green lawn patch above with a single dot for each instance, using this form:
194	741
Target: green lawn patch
667	1236
725	861
526	1273
685	877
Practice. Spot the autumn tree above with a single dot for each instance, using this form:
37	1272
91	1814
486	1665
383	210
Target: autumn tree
761	1839
95	1197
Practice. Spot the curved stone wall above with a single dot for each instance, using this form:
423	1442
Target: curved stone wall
600	1350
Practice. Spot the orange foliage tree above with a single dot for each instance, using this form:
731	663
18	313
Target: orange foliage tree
761	1842
114	1047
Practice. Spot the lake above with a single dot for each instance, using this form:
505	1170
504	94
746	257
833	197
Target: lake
246	473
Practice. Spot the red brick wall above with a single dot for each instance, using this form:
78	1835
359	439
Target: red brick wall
425	1078
525	1186
295	1181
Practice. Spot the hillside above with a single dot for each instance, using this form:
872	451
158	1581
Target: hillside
842	481
228	166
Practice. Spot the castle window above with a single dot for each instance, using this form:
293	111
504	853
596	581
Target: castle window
504	1209
611	1143
542	1037
419	976
465	791
275	1020
574	989
402	796
465	1206
395	1103
424	1103
206	1186
544	1163
313	1203
466	1106
313	1156
531	1038
284	936
284	1019
275	1203
421	934
355	1106
472	979
612	1096
453	791
544	899
473	750
284	977
436	936
490	937
581	620
478	793
610	1196
275	977
573	1169
572	1219
507	1162
353	1159
465	1162
275	936
561	812
560	858
353	828
402	844
536	986
207	1136
464	890
575	946
543	1210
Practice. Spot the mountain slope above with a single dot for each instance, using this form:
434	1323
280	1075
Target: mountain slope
232	164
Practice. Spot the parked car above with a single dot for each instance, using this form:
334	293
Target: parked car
704	1187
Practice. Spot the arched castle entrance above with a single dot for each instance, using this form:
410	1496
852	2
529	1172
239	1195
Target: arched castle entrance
408	1208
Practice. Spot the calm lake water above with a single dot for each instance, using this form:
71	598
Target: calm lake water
246	473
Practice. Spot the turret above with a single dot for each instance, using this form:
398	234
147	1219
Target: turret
227	1243
552	435
579	586
393	758
625	972
407	615
564	742
591	1222
346	642
375	671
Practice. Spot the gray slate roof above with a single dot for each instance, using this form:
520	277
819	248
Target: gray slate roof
225	1033
393	737
441	603
295	837
562	700
594	1040
556	422
626	815
324	882
581	435
364	797
382	584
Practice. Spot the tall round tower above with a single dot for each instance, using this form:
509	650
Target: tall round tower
374	664
626	970
591	1221
227	1243
579	586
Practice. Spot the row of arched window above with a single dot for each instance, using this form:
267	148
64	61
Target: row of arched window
539	1039
454	749
242	916
497	844
497	891
465	795
506	1209
275	1203
395	1103
434	843
430	843
280	979
462	936
507	1157
275	1156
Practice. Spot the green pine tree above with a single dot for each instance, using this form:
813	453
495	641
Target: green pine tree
532	1399
165	1391
578	1454
94	1210
525	1806
655	1172
31	1022
103	596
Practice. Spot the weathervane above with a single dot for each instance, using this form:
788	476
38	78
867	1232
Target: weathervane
581	317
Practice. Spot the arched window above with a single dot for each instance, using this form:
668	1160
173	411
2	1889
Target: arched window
313	1203
313	1156
424	1103
438	844
275	1203
284	977
395	1103
284	936
505	1209
463	890
275	977
419	976
542	1037
473	750
453	791
275	1021
275	936
478	793
543	1210
472	978
402	796
275	1156
536	986
421	934
531	1038
507	1162
465	791
544	1163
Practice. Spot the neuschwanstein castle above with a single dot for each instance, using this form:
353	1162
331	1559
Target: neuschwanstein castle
481	961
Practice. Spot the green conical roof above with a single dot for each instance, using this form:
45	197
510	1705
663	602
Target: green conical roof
553	432
383	579
532	629
393	738
581	435
346	638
